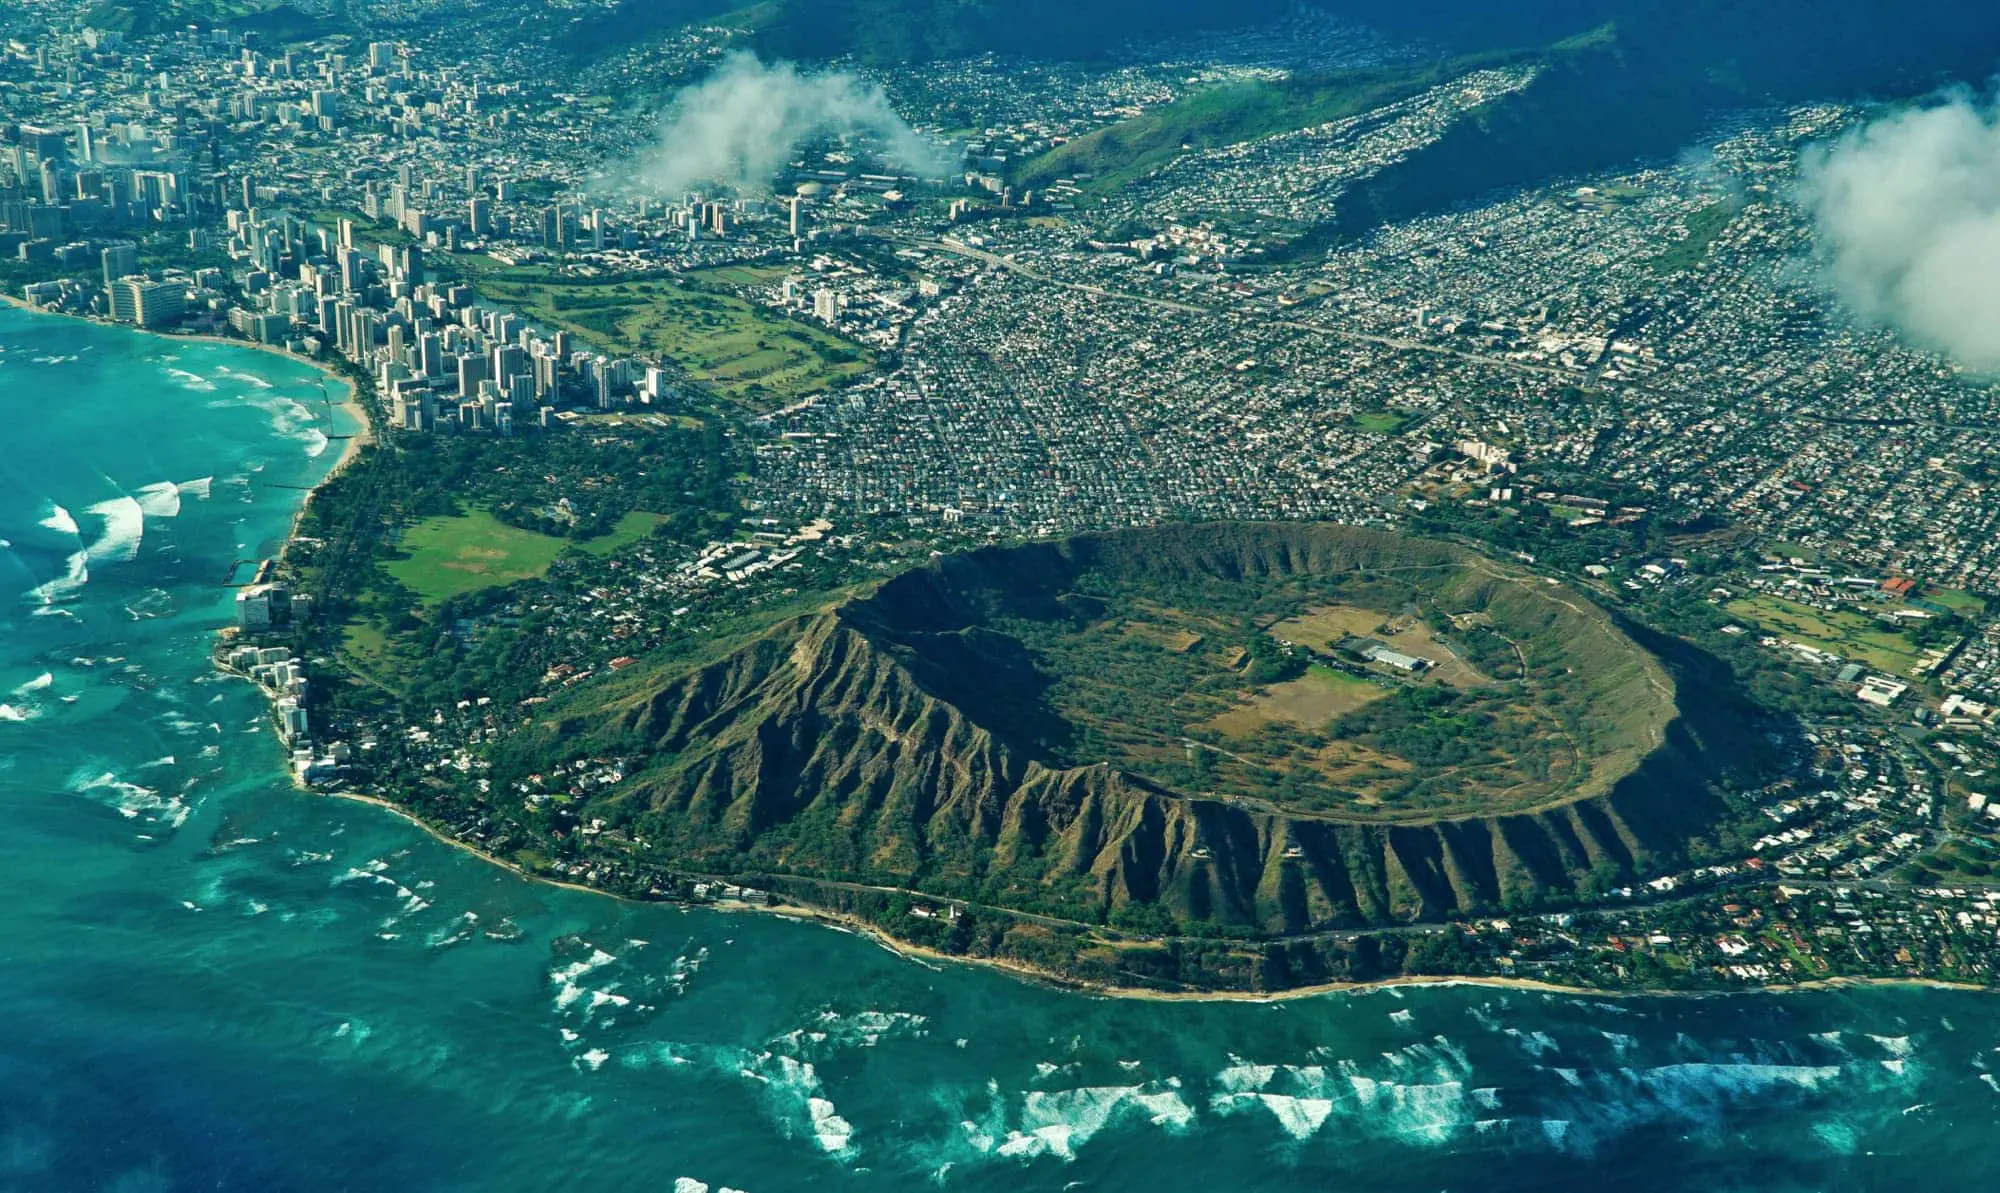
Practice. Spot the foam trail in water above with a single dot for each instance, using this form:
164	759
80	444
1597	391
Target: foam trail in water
245	378
197	488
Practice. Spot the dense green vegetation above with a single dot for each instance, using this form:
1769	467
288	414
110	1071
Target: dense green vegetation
272	18
1703	228
415	536
887	31
901	31
927	737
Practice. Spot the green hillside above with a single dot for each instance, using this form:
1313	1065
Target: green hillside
1653	78
1643	80
887	31
272	18
1220	116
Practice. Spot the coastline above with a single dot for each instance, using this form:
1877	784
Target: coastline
351	405
365	434
934	959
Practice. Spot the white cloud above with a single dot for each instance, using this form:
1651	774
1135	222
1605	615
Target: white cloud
742	124
1907	211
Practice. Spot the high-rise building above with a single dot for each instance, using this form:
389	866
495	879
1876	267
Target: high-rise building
430	355
145	303
826	305
471	371
479	214
506	361
44	143
120	260
351	276
293	723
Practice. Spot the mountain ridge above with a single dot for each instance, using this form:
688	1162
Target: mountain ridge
819	749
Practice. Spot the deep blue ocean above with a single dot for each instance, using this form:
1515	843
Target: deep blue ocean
211	981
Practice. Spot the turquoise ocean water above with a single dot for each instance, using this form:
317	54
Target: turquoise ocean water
209	981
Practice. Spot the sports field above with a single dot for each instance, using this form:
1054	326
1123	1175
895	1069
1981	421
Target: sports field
446	557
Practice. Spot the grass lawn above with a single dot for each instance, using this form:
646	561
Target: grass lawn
450	556
741	275
366	649
1965	604
630	529
447	557
1794	551
1850	635
1379	422
738	348
1704	227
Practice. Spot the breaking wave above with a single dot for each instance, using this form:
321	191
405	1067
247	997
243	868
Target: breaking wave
131	800
250	379
1427	1100
124	530
76	574
59	520
162	499
292	419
